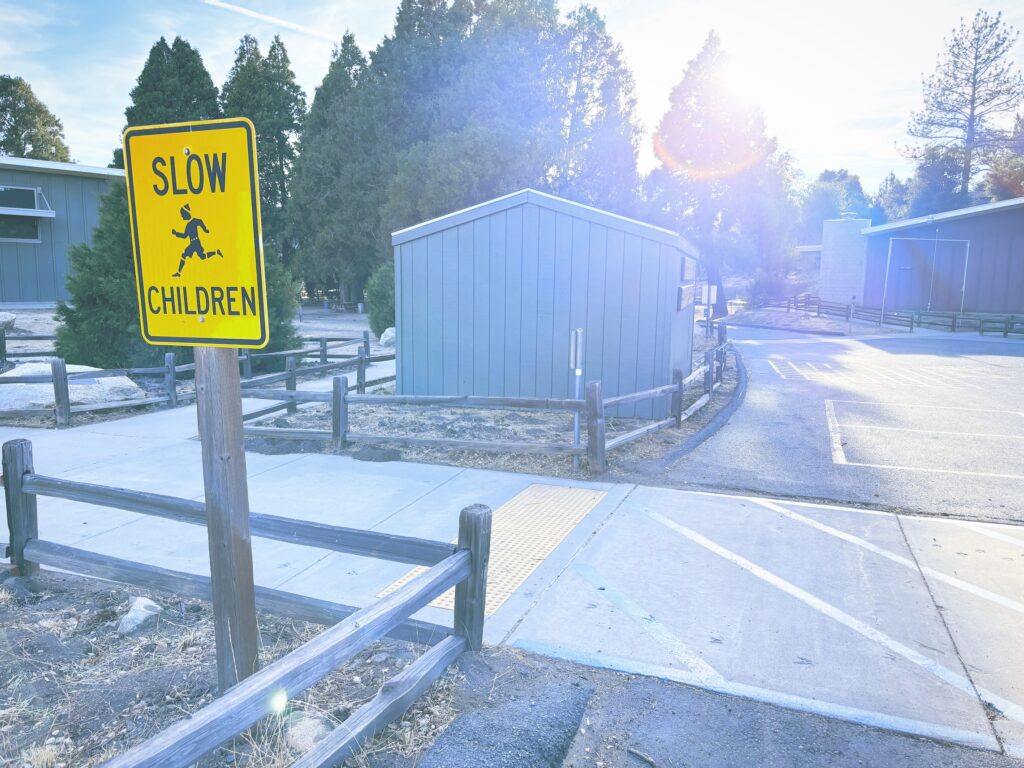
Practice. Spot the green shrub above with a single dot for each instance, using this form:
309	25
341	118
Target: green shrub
380	298
99	325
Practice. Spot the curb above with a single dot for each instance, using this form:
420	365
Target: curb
838	334
718	421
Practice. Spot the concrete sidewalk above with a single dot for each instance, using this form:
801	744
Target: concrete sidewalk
905	623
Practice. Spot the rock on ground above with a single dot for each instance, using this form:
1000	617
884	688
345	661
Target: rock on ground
7	320
387	339
141	612
82	391
304	732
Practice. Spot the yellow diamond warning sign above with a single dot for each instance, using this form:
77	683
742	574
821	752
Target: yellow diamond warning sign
193	195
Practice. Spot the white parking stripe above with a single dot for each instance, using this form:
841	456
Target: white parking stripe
835	441
1009	709
806	377
930	431
906	562
935	470
985	530
776	369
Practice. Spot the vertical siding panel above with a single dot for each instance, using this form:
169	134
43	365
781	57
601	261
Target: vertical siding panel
531	292
663	308
496	310
593	337
420	330
409	336
630	328
560	322
401	385
513	298
450	311
435	305
546	255
647	324
580	271
60	236
481	311
466	305
613	314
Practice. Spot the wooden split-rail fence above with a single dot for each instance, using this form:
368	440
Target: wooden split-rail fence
63	411
462	566
593	409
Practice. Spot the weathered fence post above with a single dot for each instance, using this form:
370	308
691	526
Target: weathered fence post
595	428
246	363
471	593
170	380
339	411
21	507
677	397
361	372
323	351
722	333
709	371
289	365
3	348
61	396
366	343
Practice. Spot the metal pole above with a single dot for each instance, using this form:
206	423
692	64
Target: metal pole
576	366
963	286
885	284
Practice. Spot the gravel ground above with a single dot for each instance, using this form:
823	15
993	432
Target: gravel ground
73	692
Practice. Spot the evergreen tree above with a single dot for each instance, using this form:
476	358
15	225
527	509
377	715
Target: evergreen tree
100	323
173	87
975	84
265	91
598	164
893	199
830	196
935	187
27	127
1005	177
718	169
329	226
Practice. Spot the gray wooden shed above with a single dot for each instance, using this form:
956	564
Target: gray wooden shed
486	300
45	209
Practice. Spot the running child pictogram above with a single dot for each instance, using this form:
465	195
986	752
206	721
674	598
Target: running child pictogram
191	233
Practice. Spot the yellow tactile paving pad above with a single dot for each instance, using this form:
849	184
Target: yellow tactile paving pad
524	531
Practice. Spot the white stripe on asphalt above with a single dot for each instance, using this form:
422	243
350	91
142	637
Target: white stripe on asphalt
985	530
935	470
931	431
835	440
806	377
699	669
933	407
1008	708
769	696
776	369
906	562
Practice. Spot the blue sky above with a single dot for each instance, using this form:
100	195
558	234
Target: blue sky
837	80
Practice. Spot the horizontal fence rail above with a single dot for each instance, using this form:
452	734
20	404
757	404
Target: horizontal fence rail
462	566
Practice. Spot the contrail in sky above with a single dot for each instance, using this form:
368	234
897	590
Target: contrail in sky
272	20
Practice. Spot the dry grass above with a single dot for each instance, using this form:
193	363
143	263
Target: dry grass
73	690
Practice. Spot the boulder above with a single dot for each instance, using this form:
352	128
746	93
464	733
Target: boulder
304	732
387	339
141	612
7	320
82	391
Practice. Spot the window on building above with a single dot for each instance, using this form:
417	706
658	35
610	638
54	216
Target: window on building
21	210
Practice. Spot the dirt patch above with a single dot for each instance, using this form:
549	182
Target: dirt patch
75	693
488	426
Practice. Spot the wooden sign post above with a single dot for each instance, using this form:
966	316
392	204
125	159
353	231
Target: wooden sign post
193	197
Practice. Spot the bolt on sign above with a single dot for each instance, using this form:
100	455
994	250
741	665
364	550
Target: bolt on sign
193	197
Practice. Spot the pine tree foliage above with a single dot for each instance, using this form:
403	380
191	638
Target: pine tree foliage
975	86
27	127
464	101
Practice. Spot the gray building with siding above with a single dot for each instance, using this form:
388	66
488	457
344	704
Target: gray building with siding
45	209
486	300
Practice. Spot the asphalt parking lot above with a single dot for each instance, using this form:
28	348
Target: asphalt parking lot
928	423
